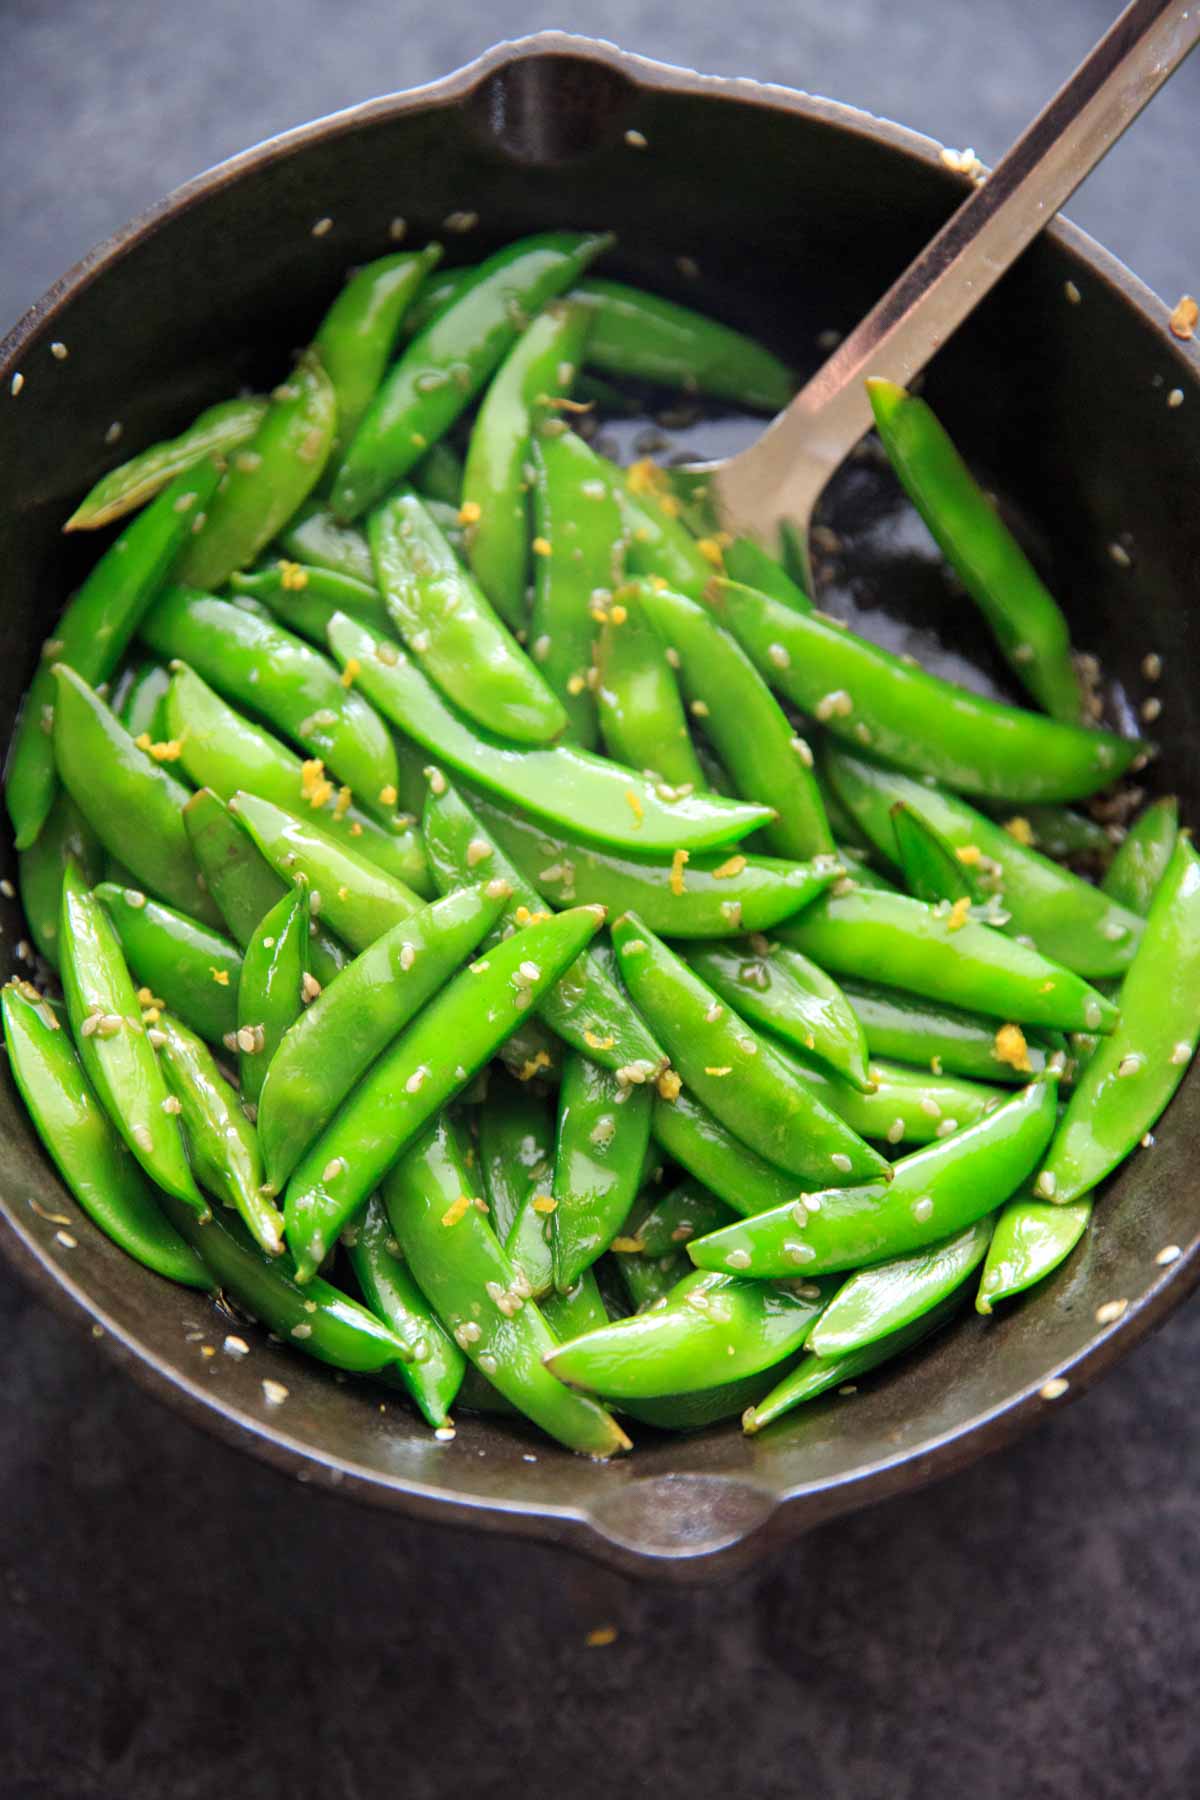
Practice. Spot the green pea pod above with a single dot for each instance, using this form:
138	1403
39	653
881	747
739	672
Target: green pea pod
283	680
405	1087
565	785
313	535
663	1227
220	1138
66	835
458	641
241	881
689	1133
749	563
709	1327
358	899
658	544
931	870
540	367
697	895
438	478
106	1023
516	1149
477	1293
447	363
333	1042
92	636
876	1302
642	721
528	1243
222	750
271	993
1023	616
139	702
753	736
433	1374
815	1375
902	1105
733	1071
304	597
649	1279
913	719
708	1406
441	288
131	802
267	479
588	1009
192	969
354	340
580	1309
1062	833
651	339
890	938
215	432
1032	1238
1069	920
602	1138
780	989
580	538
84	1145
1141	861
1133	1074
936	1036
934	1193
317	1318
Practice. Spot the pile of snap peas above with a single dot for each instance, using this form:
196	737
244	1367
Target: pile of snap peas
501	936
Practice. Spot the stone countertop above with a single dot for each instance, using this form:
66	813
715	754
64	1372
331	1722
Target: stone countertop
178	1621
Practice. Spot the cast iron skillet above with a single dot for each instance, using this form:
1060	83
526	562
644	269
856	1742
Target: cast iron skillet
799	213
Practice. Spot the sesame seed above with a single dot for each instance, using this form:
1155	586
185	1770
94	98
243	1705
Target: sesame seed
322	228
895	1131
1120	555
1151	709
59	351
778	657
838	704
16	384
1168	1254
636	140
1046	1185
1055	1388
461	221
172	1104
1130	1065
310	987
738	1259
416	1080
301	1331
1072	292
274	1392
947	1128
1175	398
1111	1311
930	1107
1180	1054
235	1346
66	1240
922	1209
799	1253
1152	665
841	1162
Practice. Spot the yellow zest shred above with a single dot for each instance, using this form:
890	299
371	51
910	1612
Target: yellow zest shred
470	512
598	1043
353	667
343	807
456	1210
645	477
635	805
1011	1048
969	854
544	1203
732	866
678	864
1019	829
220	976
529	1069
669	1085
726	1070
959	913
292	577
388	795
541	546
627	1246
710	550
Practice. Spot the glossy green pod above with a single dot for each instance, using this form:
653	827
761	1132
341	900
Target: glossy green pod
1141	860
698	1141
215	432
878	1301
191	969
941	1038
781	990
516	1147
272	990
304	597
642	721
653	339
902	1105
355	338
600	1146
65	836
1032	1238
314	535
433	1374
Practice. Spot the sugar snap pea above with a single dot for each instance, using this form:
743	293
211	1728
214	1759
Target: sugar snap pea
408	1084
92	636
600	1146
1141	861
1061	832
86	1147
283	680
934	1193
902	1105
131	802
915	720
564	785
313	535
642	335
752	735
733	1071
528	1243
540	367
334	1041
221	749
658	543
354	340
662	1226
709	1327
106	1024
139	702
66	834
931	870
578	564
221	1141
191	969
885	1298
241	880
438	478
516	1148
304	597
930	951
749	563
580	1309
272	990
268	478
458	641
357	898
707	1406
1032	1238
478	1294
780	989
702	894
642	721
217	430
1068	919
938	1036
814	1375
434	1370
690	1134
449	360
1024	618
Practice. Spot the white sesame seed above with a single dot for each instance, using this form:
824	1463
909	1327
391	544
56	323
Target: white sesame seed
1055	1388
1046	1184
66	1240
1175	397
322	228
1168	1254
478	850
416	1080
16	384
398	230
673	656
7	889
922	1209
1092	1014
1111	1311
947	1128
172	1104
1130	1065
930	1107
1180	1054
274	1392
1151	709
142	1138
1152	665
841	1163
333	1168
1120	555
235	1346
59	351
738	1259
799	1253
408	957
302	1331
895	1131
778	657
636	140
461	221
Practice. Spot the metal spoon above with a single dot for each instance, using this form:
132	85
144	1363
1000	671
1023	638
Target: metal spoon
778	480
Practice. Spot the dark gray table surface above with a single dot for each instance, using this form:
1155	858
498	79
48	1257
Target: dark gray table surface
178	1621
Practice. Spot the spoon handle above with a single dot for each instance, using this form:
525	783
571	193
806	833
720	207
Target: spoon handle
782	474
